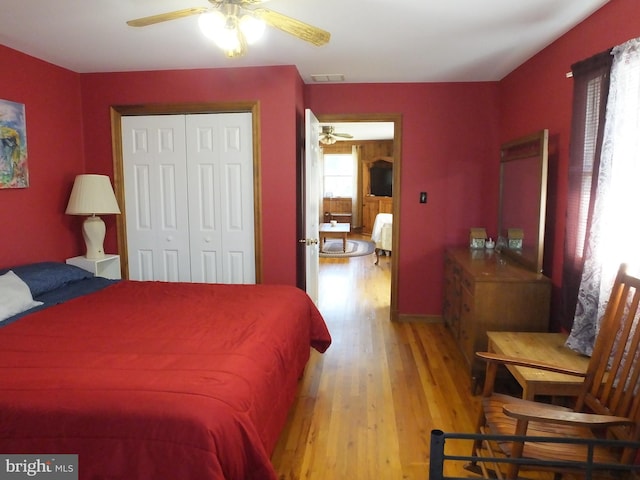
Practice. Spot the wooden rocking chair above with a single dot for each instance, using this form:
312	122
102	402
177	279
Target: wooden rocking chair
608	406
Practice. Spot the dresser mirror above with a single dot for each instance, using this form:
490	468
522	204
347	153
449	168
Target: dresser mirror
523	195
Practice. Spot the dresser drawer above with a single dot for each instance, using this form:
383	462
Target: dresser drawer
467	327
467	281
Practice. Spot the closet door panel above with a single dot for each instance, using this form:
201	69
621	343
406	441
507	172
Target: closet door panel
209	262
207	201
142	261
203	168
155	188
237	197
142	198
171	265
216	145
235	267
233	203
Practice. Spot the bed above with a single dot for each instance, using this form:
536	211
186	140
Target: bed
152	380
382	233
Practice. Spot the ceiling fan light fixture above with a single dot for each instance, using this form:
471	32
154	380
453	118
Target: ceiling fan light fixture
327	140
228	39
223	30
252	28
211	23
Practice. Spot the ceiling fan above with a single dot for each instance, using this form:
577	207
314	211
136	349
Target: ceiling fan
234	24
328	135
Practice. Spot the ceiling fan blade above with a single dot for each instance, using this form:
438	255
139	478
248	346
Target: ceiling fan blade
302	30
343	135
164	17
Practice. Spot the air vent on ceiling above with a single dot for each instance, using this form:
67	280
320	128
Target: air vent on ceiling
327	77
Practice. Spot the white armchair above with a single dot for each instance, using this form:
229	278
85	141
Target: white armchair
382	233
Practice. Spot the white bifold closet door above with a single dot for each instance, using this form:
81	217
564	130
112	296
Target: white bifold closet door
189	197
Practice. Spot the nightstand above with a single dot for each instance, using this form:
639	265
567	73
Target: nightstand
107	267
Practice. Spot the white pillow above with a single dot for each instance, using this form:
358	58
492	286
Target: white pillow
15	296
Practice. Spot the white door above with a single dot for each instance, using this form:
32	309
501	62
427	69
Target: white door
221	204
312	178
189	197
155	181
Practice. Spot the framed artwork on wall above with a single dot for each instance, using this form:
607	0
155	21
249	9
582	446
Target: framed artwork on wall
14	172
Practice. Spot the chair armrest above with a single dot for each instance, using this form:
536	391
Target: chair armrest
521	362
542	413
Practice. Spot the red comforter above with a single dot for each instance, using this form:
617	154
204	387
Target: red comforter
150	380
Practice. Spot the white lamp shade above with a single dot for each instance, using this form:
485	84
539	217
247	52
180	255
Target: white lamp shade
92	195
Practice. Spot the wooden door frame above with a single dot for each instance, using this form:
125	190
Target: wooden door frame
118	111
396	119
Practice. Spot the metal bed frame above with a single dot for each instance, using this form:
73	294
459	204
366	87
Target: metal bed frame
487	465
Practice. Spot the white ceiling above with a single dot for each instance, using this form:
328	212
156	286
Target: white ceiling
372	41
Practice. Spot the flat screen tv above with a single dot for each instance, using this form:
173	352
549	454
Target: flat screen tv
381	178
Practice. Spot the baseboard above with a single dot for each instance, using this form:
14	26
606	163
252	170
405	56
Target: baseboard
420	318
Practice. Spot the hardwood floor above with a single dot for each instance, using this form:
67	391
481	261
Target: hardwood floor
366	407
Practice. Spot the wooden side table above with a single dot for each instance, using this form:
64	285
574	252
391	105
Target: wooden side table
339	230
543	347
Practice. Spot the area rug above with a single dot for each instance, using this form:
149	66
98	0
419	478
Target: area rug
355	248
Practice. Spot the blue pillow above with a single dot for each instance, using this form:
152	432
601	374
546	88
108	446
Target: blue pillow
47	276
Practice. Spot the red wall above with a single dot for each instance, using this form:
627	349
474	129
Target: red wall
274	87
449	140
33	224
538	95
450	145
449	149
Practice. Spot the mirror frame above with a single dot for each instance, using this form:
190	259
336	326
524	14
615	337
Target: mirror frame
536	147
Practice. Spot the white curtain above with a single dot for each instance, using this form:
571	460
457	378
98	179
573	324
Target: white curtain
615	232
321	189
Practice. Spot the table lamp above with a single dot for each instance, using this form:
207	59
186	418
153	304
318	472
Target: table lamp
92	195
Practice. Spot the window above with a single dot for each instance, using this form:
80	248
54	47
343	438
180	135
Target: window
611	224
338	175
591	89
591	148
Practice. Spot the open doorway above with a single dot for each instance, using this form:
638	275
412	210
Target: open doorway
347	123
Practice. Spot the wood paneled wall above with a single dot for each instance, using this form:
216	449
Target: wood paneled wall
370	150
336	205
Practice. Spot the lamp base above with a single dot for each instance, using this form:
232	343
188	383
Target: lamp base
93	231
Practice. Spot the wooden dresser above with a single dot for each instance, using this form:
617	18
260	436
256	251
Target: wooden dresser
371	207
484	291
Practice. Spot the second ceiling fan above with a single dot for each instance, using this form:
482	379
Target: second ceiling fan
328	135
234	24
